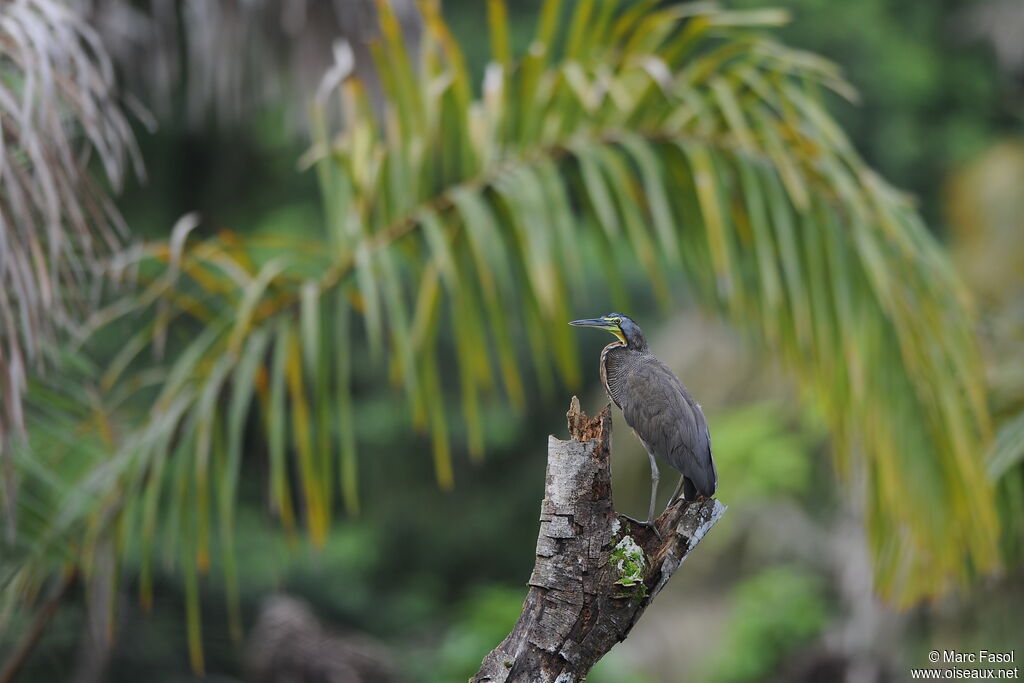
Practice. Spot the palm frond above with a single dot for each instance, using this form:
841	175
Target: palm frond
1008	448
683	138
58	112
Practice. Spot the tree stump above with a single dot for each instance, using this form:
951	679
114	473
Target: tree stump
596	572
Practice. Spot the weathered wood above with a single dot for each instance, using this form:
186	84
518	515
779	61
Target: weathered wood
595	572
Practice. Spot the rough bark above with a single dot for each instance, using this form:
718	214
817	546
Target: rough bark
596	572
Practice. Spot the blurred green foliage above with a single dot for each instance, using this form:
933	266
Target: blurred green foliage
928	102
774	613
759	456
483	620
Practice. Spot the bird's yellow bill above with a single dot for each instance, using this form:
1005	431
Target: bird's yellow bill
609	324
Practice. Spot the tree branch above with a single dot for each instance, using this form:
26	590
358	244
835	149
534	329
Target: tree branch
595	572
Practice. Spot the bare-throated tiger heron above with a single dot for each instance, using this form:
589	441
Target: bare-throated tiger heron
658	408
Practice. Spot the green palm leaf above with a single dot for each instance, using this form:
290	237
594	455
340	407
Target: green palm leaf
683	138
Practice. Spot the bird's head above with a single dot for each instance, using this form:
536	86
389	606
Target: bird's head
622	326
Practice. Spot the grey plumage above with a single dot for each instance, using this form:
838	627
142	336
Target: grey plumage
657	407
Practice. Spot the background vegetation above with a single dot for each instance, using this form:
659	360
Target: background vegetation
249	406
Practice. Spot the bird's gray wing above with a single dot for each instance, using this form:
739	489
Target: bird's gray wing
706	476
669	422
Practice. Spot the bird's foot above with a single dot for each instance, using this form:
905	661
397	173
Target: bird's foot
649	523
699	499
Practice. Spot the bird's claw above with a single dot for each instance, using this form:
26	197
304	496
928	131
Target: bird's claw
649	523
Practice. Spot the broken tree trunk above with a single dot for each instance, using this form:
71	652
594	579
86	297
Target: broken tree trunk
596	572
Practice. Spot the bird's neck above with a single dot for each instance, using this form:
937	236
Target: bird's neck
611	347
638	345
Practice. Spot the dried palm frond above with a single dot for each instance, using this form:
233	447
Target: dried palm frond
58	115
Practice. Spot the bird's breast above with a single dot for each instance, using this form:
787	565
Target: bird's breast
618	366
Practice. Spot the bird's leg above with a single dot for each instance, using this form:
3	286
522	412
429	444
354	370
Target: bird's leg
653	487
679	489
654	499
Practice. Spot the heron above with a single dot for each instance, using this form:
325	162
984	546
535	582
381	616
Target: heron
658	408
